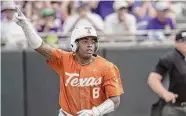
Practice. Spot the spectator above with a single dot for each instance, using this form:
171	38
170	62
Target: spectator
131	4
12	36
83	17
49	24
120	21
67	9
71	7
104	8
143	11
161	21
171	13
33	8
59	15
32	11
56	6
178	8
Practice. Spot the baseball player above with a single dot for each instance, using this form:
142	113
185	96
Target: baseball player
89	84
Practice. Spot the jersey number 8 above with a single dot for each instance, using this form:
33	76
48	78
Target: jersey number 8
96	92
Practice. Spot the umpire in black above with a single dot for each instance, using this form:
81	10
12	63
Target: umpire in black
173	64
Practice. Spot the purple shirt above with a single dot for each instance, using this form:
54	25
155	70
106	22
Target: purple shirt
156	24
53	29
142	22
104	8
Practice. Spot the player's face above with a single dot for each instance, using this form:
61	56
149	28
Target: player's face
86	47
181	46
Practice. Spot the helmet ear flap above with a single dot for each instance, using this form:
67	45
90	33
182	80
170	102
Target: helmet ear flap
96	47
77	46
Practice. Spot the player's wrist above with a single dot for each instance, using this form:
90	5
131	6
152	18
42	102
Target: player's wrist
162	94
104	108
96	112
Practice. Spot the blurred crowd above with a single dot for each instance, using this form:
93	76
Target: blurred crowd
55	19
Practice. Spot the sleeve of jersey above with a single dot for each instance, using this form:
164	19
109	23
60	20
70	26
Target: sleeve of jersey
56	59
163	66
112	82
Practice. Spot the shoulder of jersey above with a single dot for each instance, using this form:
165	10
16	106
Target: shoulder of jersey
65	54
105	62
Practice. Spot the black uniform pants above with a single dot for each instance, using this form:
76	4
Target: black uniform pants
173	110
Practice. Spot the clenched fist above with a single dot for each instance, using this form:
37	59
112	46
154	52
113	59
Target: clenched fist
169	97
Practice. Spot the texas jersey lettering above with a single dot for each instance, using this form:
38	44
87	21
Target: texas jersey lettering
83	87
73	80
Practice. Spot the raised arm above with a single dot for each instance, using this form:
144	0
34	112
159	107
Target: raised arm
33	38
45	50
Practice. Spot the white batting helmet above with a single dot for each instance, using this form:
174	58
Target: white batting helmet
80	32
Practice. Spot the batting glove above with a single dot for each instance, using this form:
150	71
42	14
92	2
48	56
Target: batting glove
20	18
93	112
33	38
